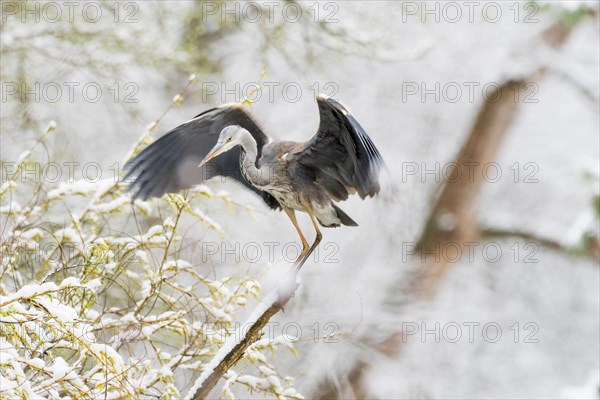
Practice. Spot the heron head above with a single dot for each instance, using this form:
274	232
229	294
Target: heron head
229	137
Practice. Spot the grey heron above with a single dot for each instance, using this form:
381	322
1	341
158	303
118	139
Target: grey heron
339	160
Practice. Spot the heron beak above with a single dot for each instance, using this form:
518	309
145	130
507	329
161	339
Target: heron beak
218	149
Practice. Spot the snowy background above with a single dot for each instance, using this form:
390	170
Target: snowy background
367	56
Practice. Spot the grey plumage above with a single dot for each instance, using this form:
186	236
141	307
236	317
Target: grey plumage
170	164
346	157
339	160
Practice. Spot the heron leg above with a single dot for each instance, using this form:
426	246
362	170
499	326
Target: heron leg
305	248
315	243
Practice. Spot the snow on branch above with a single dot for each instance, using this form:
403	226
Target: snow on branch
233	350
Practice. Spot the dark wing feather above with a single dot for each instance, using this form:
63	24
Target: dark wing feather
341	154
170	164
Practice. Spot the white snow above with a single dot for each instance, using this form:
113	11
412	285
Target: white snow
111	205
81	187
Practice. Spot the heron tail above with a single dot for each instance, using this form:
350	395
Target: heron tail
343	217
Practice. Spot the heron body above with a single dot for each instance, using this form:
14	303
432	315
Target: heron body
339	160
271	175
290	184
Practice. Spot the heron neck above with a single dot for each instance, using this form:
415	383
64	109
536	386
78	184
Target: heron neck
250	148
248	161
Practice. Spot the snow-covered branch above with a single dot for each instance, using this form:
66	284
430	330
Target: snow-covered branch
234	348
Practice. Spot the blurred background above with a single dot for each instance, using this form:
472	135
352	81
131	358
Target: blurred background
413	311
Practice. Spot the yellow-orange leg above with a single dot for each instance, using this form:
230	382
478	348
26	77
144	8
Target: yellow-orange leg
305	248
315	243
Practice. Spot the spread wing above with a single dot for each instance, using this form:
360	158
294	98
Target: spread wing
170	164
341	154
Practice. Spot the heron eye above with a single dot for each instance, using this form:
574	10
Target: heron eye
229	139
